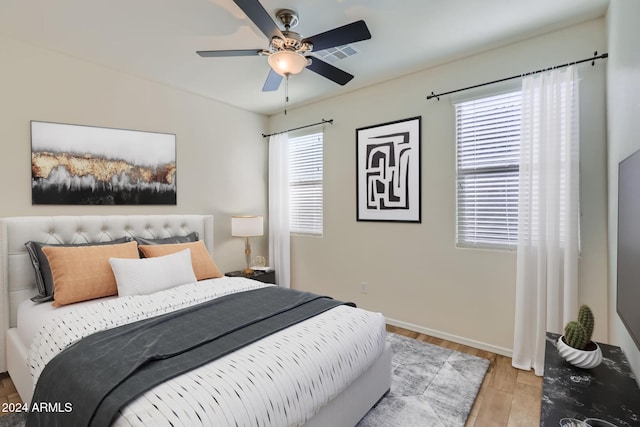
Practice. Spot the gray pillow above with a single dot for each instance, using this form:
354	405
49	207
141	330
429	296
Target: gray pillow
191	237
44	278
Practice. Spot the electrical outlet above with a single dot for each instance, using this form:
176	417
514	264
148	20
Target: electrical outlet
364	287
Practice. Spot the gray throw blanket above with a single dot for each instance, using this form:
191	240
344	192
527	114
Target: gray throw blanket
101	373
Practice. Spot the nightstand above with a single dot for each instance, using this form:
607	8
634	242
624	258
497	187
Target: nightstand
261	276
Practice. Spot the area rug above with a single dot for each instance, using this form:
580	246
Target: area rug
14	419
430	386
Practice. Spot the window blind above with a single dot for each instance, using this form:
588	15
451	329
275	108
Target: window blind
305	184
488	155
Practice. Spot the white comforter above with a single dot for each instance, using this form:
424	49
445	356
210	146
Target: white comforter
281	380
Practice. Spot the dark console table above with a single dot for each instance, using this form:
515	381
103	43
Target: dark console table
608	391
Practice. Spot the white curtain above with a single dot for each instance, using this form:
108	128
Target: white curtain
548	214
279	239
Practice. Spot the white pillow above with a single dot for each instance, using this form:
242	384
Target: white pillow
149	275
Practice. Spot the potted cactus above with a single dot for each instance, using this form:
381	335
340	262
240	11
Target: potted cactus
576	346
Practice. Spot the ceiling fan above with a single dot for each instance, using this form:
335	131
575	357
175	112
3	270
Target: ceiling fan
288	52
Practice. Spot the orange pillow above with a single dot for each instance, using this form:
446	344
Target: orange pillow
203	265
82	273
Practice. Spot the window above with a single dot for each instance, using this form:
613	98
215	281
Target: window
488	155
305	184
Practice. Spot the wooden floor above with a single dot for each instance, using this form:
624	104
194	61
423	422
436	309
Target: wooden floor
8	393
508	396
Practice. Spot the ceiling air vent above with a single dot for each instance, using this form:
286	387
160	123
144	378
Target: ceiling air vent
334	54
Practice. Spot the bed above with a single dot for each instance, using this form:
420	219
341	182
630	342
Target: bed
339	402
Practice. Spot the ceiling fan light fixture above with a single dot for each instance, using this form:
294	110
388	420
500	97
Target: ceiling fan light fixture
287	62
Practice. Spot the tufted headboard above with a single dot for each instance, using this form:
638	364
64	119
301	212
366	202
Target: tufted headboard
17	278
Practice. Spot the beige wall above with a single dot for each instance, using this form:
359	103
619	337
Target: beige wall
221	155
414	273
623	111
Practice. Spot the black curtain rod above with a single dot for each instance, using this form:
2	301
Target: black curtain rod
592	59
301	127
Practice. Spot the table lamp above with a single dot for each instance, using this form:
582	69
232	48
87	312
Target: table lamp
247	226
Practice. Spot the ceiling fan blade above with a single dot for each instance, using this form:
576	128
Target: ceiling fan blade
225	53
273	81
329	71
350	33
254	10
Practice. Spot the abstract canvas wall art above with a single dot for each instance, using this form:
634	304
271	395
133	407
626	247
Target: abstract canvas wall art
89	165
388	169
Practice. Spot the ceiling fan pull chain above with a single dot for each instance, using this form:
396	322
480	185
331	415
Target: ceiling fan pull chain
286	94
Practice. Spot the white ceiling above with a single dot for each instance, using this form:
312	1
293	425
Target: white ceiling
157	39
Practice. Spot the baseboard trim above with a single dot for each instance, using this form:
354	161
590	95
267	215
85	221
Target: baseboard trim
453	338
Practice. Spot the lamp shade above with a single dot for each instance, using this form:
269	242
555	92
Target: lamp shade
247	226
286	62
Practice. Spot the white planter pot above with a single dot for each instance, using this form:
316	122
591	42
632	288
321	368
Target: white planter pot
585	359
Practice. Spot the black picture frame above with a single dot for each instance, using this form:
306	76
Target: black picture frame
389	171
91	165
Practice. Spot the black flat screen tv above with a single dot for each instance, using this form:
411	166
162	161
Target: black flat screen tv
628	299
